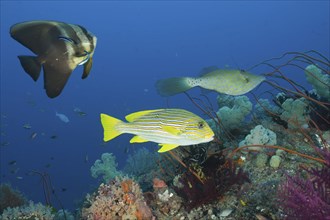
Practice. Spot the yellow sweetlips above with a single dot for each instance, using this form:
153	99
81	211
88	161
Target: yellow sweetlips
169	128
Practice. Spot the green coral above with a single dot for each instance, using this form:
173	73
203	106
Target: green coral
319	81
295	112
234	110
141	162
145	165
31	211
106	167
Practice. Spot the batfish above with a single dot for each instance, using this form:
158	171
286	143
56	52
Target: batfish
60	48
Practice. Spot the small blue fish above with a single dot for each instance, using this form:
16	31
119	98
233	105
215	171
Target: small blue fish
63	117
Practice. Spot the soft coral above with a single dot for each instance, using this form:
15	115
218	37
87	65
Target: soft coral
308	198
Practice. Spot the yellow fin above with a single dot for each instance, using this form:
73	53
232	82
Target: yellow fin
167	147
136	115
171	130
109	129
137	139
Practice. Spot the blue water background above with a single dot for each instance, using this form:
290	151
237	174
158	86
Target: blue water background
138	43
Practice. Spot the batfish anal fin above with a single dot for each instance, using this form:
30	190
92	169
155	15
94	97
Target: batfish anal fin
55	78
31	66
167	147
87	68
136	115
137	139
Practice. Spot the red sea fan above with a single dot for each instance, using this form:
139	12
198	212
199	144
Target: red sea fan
221	175
308	198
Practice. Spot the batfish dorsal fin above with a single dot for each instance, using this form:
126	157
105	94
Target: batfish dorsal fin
32	34
136	115
55	79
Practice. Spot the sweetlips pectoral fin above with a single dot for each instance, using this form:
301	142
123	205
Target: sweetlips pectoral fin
87	68
55	79
31	66
137	139
167	147
171	130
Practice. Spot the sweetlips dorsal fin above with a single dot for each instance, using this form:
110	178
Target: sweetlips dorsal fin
136	115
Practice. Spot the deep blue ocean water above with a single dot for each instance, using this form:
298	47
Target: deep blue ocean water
139	42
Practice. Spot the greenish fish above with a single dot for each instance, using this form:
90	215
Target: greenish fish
230	82
169	128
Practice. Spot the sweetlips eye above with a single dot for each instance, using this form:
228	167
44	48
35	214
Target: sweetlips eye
200	125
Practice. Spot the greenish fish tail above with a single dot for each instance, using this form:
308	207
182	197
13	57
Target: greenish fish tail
172	86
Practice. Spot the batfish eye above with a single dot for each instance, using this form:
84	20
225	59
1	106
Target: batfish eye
201	125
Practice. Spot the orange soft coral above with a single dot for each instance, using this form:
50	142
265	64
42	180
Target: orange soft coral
121	198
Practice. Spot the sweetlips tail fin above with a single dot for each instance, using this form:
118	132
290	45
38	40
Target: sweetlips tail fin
109	127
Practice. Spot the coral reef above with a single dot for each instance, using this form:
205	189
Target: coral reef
121	198
320	81
232	111
259	136
295	112
313	192
106	167
218	176
30	211
64	215
163	200
10	197
144	166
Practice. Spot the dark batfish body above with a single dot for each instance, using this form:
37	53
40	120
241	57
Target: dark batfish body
60	48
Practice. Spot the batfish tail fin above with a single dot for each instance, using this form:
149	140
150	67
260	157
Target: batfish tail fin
173	86
109	127
31	66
